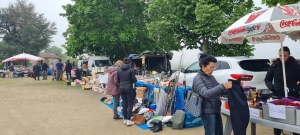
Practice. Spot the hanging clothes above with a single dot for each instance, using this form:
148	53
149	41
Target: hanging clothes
161	104
239	109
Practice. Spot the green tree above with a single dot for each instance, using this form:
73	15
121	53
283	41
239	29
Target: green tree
106	27
24	29
272	3
197	22
55	50
6	50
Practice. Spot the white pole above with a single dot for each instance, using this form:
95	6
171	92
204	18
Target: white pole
286	89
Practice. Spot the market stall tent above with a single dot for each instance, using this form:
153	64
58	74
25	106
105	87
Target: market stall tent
23	56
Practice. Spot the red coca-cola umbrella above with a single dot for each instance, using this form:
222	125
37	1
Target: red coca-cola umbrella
270	25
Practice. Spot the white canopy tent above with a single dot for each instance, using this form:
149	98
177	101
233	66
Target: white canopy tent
23	56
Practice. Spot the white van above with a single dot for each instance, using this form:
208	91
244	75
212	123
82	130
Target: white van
98	63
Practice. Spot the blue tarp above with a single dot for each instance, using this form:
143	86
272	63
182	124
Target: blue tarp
179	98
150	89
132	55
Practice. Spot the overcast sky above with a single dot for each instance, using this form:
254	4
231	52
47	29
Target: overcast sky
52	9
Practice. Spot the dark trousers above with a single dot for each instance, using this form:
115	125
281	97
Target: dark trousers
68	74
84	73
45	74
116	104
78	77
128	99
212	123
37	75
59	75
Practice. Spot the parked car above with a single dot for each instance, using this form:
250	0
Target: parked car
250	70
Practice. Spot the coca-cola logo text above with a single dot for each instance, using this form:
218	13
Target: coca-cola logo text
289	23
237	31
237	39
266	38
248	29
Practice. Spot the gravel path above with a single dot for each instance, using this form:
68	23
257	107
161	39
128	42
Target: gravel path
31	107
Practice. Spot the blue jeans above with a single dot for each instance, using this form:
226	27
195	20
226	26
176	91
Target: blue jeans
212	123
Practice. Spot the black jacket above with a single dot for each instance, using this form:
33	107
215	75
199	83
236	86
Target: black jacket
11	68
45	66
36	69
126	77
292	69
68	66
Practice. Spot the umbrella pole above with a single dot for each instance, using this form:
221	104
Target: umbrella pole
283	70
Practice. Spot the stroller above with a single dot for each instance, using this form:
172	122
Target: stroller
53	75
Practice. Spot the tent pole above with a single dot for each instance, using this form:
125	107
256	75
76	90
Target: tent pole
286	89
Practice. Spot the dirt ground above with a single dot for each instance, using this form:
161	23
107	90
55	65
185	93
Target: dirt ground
31	107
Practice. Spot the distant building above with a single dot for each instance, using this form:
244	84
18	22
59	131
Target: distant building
49	58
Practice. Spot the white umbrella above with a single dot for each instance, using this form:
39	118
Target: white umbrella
23	56
266	26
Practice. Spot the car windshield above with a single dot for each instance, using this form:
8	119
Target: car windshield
101	63
255	65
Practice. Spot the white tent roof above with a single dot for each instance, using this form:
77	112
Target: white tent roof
23	56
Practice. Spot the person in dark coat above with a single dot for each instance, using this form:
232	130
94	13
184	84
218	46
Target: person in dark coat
36	70
78	73
207	86
126	79
113	87
45	68
275	73
68	69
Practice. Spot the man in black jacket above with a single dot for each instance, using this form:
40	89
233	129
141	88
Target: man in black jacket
68	69
36	70
275	73
45	70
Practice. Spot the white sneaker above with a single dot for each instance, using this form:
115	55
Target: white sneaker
129	123
125	122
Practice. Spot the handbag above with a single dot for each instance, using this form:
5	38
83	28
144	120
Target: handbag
194	103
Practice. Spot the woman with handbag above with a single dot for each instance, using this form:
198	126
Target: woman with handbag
113	87
126	79
210	90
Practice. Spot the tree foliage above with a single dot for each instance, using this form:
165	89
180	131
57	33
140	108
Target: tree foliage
55	50
24	30
197	22
112	27
271	3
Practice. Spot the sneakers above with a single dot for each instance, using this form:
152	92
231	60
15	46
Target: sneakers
129	123
125	121
117	117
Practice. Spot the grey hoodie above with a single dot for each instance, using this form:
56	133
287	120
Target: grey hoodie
126	77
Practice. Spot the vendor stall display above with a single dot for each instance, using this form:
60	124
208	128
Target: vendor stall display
278	113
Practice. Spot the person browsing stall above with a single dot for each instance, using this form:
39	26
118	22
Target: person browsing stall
113	87
207	86
126	79
59	70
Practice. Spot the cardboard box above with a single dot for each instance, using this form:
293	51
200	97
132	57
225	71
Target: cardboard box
290	113
256	112
298	117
